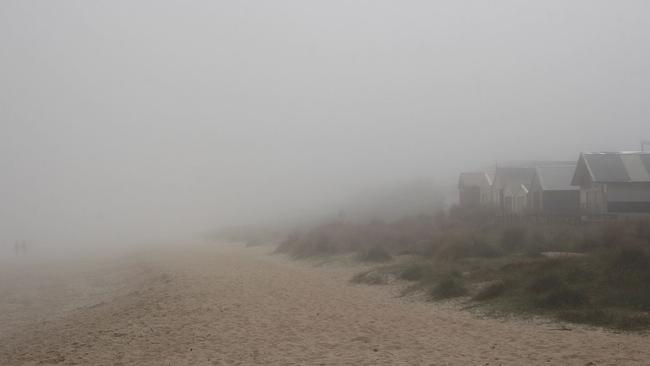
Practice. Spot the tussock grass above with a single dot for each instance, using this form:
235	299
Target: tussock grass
604	278
491	291
624	320
413	272
375	254
372	277
448	287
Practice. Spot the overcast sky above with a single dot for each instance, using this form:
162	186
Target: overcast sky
138	119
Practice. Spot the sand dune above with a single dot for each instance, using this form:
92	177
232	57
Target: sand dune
228	305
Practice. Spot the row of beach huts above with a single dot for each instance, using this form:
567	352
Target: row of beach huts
598	183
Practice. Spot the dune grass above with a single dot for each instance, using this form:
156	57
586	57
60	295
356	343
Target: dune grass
595	274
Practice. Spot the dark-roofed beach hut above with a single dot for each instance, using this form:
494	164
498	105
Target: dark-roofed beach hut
613	182
551	192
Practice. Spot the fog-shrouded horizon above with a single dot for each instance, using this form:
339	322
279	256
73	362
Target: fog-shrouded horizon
126	121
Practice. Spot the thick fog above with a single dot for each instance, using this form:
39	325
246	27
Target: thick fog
129	121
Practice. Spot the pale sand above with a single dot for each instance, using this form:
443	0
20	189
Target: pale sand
223	305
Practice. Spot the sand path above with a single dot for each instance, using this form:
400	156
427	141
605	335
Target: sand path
227	305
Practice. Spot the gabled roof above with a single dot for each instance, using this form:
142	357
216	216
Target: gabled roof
474	179
522	172
556	177
513	176
613	167
533	163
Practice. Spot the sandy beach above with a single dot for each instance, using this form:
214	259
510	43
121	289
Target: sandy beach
209	304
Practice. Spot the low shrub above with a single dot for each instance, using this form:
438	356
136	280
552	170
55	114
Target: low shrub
513	238
632	258
448	287
375	254
468	247
560	297
537	244
372	277
642	230
545	283
414	272
491	291
548	284
626	278
612	234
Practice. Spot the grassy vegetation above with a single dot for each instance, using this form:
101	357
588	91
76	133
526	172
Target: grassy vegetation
596	274
447	287
375	254
372	277
491	291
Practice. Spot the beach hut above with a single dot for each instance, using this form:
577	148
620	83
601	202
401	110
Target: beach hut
613	182
551	192
474	189
510	188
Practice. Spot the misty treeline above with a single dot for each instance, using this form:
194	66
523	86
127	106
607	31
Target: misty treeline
597	273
